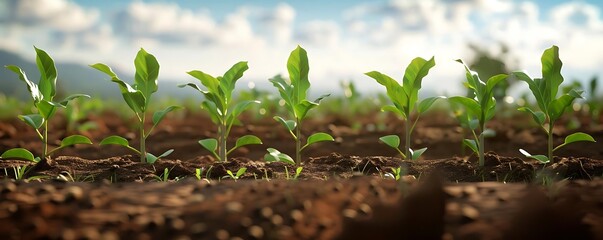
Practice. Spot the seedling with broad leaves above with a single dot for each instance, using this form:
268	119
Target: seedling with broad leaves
550	106
405	99
138	96
479	109
218	101
235	176
43	95
294	94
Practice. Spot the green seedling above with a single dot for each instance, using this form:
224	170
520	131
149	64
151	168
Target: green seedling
298	171
236	176
551	108
165	177
294	94
20	172
218	98
405	99
395	174
66	176
138	97
479	109
43	95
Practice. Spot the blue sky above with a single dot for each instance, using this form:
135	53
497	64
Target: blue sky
344	39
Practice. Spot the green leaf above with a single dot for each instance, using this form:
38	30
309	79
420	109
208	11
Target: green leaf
317	137
426	103
70	141
33	120
576	137
33	89
159	115
133	97
151	159
48	74
240	172
245	140
274	155
538	116
211	83
540	158
413	76
18	153
47	109
302	108
241	107
471	105
71	98
117	140
136	101
298	68
147	71
488	133
394	109
192	85
210	144
228	81
75	139
289	124
471	144
391	140
284	90
551	71
394	91
557	106
417	153
492	82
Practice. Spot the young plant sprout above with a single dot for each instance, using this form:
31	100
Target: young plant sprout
294	94
405	99
43	95
218	98
479	109
235	176
551	108
138	97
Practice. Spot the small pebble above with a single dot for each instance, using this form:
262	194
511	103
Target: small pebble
234	207
246	222
256	232
365	209
277	220
222	234
296	215
198	228
266	212
349	213
74	193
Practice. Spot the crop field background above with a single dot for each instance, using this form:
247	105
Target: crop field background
353	119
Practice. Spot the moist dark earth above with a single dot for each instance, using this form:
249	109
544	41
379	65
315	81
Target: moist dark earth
343	191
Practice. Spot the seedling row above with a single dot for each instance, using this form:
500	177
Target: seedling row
472	112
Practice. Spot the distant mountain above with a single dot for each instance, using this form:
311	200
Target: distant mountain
73	78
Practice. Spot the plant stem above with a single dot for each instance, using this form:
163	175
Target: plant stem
407	133
481	147
298	142
142	149
222	139
550	141
45	139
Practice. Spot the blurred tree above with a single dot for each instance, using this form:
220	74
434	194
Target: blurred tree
487	65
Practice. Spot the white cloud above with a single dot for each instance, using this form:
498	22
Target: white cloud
382	36
319	33
165	22
278	23
60	15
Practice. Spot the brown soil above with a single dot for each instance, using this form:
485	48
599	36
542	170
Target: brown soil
341	193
